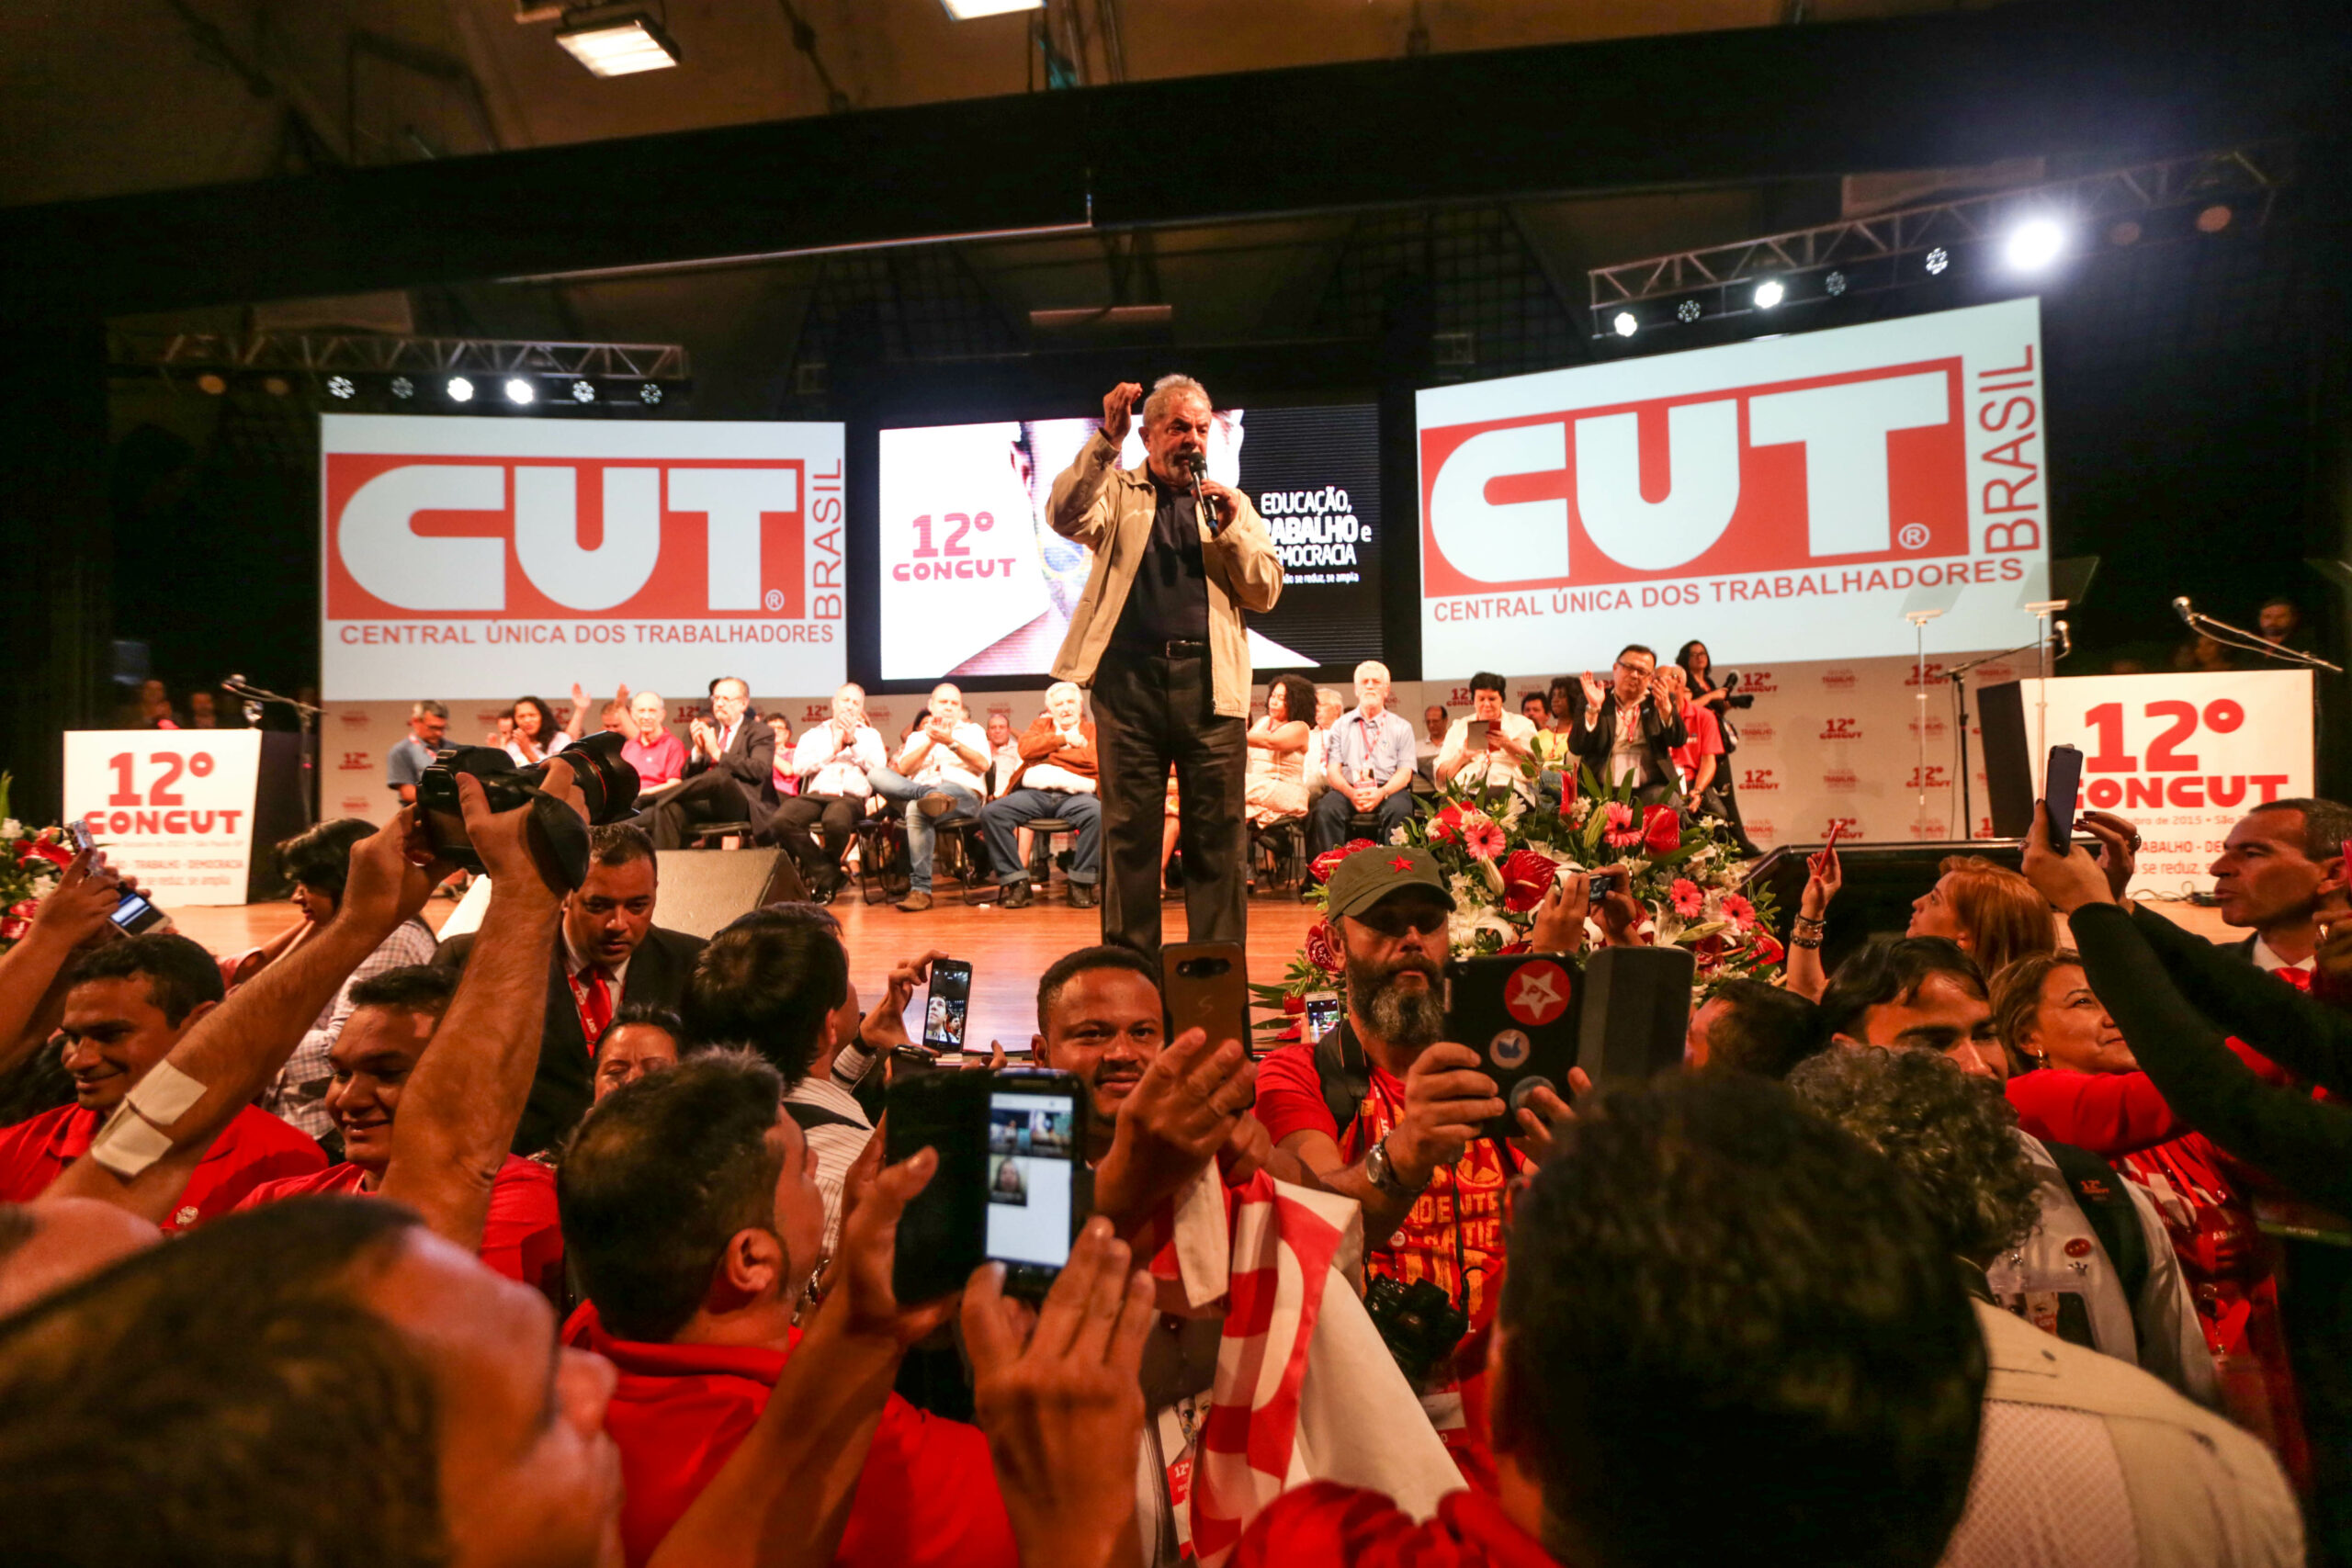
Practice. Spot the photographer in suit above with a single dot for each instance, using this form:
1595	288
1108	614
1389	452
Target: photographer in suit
611	952
1630	728
731	771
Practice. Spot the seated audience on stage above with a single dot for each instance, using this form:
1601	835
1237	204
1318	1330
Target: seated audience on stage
613	719
503	734
785	780
1509	748
611	953
693	1220
729	773
1752	1026
1004	757
659	757
1368	763
2282	873
1314	765
428	729
129	1002
834	762
1700	760
1058	777
1433	722
1629	729
536	735
1536	709
201	712
937	773
1835	1421
2150	1477
394	1018
318	863
1924	993
1274	786
642	1038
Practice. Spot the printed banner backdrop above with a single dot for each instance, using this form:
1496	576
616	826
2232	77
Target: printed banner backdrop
973	580
494	556
2184	756
1795	491
174	807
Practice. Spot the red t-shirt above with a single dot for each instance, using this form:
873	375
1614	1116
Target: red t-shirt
521	1236
1290	1100
1325	1525
254	1148
927	1498
1706	741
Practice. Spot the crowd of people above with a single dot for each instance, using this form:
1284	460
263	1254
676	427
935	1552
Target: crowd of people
2014	1235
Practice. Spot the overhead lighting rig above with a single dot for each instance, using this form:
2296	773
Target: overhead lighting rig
360	372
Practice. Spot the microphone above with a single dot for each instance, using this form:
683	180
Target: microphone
1198	464
2180	608
2065	639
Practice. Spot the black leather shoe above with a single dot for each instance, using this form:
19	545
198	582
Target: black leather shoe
1016	895
1082	896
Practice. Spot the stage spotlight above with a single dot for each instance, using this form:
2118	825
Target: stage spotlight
1625	324
582	392
621	46
340	387
277	386
2214	219
649	393
461	390
1769	293
1687	312
214	384
403	387
518	391
2034	244
968	10
1937	259
1834	285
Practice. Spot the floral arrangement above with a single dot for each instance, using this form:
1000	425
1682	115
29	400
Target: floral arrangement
29	870
1501	856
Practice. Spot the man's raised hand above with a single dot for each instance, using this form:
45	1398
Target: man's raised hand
1117	417
1447	1101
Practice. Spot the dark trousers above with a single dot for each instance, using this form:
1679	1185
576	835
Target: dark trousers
1150	711
1004	817
835	815
712	796
1327	818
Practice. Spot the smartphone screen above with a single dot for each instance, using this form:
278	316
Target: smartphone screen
1032	1153
950	998
1323	1010
135	915
2062	783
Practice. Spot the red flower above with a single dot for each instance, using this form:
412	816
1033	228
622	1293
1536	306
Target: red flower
1738	911
1527	877
1447	828
1321	950
1620	834
55	854
1687	899
1709	951
1661	829
1294	1005
1484	837
1767	951
1328	860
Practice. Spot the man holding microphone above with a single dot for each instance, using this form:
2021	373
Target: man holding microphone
1158	636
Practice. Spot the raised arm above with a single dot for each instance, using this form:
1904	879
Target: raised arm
32	974
459	1109
1078	510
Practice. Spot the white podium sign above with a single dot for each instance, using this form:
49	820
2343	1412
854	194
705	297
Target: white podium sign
174	807
2183	756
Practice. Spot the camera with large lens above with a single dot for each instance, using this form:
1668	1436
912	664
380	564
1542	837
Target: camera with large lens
1419	1323
607	789
1738	699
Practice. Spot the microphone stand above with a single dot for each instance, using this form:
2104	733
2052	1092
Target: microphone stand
2253	642
308	717
1957	676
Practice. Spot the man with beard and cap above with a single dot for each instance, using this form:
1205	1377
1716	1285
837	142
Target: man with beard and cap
1413	1154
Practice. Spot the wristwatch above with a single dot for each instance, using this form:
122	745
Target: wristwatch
1383	1175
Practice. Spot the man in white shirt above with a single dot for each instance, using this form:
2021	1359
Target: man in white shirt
1433	725
1510	744
1368	762
833	760
2282	872
1328	707
939	771
1060	773
1004	756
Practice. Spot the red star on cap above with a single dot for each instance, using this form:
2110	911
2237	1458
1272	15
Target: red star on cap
1402	862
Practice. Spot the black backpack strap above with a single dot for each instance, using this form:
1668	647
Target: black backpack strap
811	1117
1346	1078
2099	1194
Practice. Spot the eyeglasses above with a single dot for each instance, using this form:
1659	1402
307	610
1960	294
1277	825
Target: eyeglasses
1395	919
1636	669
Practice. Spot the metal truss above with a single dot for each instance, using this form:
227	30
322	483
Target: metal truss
2110	199
351	353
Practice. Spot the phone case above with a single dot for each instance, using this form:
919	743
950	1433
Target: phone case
1519	1012
1206	985
942	1235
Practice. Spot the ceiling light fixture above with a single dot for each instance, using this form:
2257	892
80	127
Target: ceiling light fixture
2034	244
621	46
518	391
968	10
461	390
1769	293
1626	323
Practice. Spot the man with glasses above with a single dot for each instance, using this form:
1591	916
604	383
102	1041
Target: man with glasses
1368	764
1629	729
730	774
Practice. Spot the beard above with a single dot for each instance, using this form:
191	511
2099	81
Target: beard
1399	1014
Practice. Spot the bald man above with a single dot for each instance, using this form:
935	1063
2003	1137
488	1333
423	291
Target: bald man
940	771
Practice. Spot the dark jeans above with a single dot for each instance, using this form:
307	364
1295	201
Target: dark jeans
712	796
1015	809
1327	818
835	815
1150	711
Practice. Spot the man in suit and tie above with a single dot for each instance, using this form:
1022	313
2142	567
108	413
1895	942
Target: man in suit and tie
1630	728
611	952
731	771
2282	872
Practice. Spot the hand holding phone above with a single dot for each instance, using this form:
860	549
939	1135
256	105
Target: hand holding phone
1013	1186
947	1008
2062	783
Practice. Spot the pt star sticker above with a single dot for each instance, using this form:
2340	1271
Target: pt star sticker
1402	862
1536	993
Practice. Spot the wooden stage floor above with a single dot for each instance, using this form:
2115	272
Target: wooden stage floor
1008	949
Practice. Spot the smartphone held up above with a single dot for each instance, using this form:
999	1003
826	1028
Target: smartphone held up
134	916
1013	1186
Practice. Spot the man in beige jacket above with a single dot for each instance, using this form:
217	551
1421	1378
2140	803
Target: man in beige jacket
1158	637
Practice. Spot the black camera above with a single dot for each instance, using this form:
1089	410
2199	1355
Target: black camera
1738	699
607	788
1419	1323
